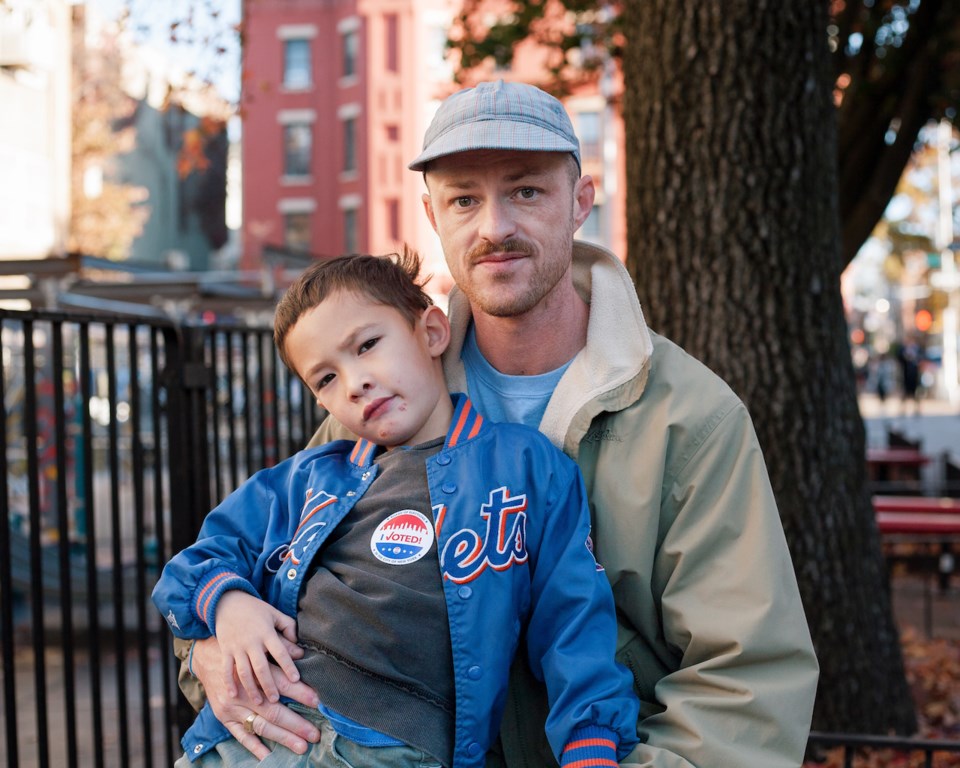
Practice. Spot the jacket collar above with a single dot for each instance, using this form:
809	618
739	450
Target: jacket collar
608	374
465	425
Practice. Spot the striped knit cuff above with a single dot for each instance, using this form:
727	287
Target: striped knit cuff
209	594
590	746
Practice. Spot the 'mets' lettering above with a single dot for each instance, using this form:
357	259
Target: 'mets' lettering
465	555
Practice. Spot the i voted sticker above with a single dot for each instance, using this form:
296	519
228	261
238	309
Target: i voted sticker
402	538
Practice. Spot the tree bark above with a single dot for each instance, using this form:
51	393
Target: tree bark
734	245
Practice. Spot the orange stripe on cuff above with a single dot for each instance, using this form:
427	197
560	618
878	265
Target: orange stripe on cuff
591	763
202	609
590	743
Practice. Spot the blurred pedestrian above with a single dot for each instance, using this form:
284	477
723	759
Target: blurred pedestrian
909	357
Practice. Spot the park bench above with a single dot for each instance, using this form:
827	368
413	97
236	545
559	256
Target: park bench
951	477
921	532
895	470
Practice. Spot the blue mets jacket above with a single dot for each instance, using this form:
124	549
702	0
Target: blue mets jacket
512	528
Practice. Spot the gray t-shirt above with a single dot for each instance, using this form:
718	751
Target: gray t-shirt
372	615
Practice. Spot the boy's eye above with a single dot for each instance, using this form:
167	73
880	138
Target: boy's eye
324	381
462	202
369	344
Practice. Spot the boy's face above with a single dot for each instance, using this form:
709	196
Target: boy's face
379	376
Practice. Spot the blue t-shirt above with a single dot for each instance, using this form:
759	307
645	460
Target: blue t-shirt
501	397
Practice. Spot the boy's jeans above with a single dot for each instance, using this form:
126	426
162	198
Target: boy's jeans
332	751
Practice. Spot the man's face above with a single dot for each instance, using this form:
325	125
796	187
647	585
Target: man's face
506	222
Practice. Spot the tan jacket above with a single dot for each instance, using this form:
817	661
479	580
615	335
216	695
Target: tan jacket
685	523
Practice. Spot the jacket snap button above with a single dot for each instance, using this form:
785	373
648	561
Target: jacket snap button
475	673
465	592
292	574
198	749
474	748
448	488
443	460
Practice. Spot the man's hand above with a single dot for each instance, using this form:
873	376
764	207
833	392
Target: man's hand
250	631
273	721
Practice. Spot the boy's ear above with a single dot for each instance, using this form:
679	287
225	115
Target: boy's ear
435	325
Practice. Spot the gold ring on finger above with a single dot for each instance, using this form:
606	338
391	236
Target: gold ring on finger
248	722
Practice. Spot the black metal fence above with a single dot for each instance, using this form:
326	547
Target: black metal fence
119	435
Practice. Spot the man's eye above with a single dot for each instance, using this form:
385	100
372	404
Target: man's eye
324	381
369	344
527	193
462	202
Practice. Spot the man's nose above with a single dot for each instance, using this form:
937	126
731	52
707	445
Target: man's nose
497	223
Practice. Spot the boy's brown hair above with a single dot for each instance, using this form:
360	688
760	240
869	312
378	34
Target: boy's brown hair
393	280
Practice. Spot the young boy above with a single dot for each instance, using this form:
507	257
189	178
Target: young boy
413	559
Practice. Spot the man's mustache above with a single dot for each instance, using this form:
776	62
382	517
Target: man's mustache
507	246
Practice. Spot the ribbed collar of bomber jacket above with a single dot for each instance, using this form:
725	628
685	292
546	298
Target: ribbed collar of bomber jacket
465	424
608	374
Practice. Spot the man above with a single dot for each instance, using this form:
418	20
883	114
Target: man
549	331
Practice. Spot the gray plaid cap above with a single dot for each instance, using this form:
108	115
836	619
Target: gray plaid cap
498	115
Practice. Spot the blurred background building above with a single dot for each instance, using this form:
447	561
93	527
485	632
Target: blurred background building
127	178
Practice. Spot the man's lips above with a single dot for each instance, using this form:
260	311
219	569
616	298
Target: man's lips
375	408
500	258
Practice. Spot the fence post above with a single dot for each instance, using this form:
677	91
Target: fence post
187	378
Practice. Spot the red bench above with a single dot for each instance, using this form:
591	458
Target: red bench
917	504
935	524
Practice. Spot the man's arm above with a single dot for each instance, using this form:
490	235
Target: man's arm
740	687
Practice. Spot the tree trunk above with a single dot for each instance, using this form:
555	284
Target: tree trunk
734	244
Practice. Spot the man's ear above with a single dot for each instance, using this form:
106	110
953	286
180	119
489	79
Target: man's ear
434	324
428	208
583	194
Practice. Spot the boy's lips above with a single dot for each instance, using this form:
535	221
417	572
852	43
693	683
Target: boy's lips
375	408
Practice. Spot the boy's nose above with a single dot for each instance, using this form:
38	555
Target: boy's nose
360	384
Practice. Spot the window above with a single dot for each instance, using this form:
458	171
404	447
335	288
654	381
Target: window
297	145
590	135
350	230
349	144
392	29
296	64
393	219
296	231
393	133
351	48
